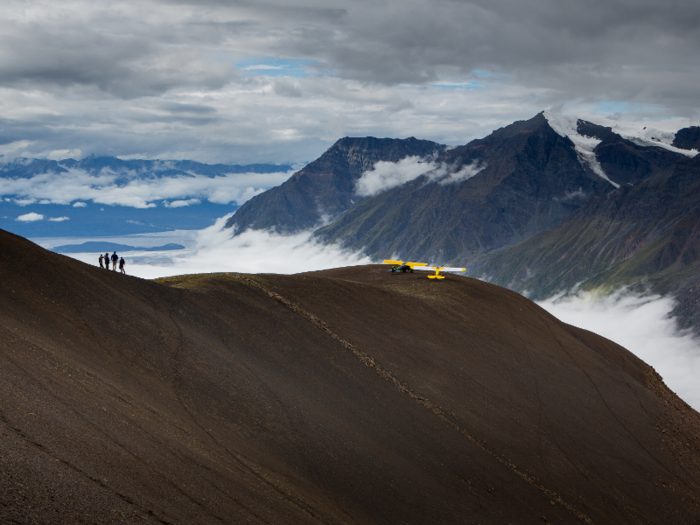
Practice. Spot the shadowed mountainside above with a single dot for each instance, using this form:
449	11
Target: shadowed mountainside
529	179
342	396
646	236
325	189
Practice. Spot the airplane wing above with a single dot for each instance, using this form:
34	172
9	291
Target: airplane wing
393	262
441	268
416	264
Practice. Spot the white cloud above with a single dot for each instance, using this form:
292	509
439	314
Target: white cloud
464	173
387	175
30	217
131	189
643	326
181	203
23	202
59	219
80	205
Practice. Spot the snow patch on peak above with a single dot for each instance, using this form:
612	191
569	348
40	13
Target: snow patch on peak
567	126
661	134
643	135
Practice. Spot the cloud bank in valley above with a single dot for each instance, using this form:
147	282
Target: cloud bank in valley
214	250
643	326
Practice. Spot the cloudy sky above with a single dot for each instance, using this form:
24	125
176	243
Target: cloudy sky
240	81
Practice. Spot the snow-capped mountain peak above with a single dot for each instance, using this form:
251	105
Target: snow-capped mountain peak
639	133
567	126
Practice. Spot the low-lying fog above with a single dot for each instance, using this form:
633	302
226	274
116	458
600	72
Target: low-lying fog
643	326
640	324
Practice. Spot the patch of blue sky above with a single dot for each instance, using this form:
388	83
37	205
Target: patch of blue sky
458	85
276	67
485	73
610	107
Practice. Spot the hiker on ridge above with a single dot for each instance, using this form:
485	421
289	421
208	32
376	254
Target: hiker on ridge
106	261
121	265
115	258
101	258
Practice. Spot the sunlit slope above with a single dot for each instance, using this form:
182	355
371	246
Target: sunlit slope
344	396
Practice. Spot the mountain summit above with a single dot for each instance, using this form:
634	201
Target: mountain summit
325	189
539	205
342	396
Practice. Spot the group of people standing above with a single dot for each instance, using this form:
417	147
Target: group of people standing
115	259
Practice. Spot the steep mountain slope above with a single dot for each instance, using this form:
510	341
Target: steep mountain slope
343	396
688	138
529	177
646	236
325	189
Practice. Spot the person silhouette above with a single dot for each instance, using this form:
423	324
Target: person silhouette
106	261
122	262
115	259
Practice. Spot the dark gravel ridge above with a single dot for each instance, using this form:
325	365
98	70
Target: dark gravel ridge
343	396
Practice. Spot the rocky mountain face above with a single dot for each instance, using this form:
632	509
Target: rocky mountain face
529	179
538	206
325	189
231	398
688	138
645	236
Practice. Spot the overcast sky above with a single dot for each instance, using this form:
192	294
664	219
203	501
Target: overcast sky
240	81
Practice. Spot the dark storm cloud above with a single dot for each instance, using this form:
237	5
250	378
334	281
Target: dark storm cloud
286	11
612	48
122	57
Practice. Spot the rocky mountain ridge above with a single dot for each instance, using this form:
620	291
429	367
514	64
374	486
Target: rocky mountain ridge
645	236
325	189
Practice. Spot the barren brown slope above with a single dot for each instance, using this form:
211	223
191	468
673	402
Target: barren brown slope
344	396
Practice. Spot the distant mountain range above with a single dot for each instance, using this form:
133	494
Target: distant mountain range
99	247
101	196
28	167
540	206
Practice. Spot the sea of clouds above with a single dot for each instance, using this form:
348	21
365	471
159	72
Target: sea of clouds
213	249
134	189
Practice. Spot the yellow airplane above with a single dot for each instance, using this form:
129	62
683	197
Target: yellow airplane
401	266
439	269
